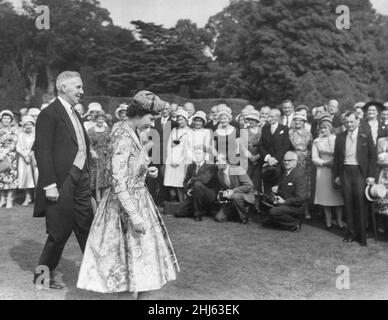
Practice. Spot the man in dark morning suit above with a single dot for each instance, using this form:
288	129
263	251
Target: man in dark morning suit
355	159
291	195
238	189
63	194
274	142
201	185
162	129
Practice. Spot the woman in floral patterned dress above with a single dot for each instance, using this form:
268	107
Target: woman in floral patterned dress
99	148
128	249
8	140
301	140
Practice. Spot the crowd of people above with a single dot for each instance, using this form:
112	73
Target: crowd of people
287	162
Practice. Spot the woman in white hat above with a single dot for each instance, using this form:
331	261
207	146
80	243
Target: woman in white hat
301	140
8	158
93	108
121	115
201	135
34	112
226	137
100	172
254	135
27	169
179	155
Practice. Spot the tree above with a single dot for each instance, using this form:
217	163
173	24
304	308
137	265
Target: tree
274	46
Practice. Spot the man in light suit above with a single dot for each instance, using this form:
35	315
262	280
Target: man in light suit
201	185
237	188
355	159
63	194
288	110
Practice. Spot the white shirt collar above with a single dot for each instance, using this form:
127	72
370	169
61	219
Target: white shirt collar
354	133
274	126
200	164
65	103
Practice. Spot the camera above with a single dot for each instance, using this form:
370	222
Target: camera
221	197
176	142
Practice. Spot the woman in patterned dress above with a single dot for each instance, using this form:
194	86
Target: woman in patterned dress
382	162
8	140
128	248
301	140
99	149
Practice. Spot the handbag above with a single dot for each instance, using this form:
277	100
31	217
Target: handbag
5	165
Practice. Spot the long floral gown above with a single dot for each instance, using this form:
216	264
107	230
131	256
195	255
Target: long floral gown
8	140
116	258
99	142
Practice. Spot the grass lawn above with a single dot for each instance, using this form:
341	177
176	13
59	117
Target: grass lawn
218	261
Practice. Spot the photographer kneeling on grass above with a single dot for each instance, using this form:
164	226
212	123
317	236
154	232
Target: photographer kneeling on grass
237	191
289	197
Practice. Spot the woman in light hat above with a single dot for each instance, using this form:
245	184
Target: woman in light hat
34	112
121	115
128	249
322	157
100	173
179	155
254	135
93	108
27	169
226	137
201	135
8	158
301	140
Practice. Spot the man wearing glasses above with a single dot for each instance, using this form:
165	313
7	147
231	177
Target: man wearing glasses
290	196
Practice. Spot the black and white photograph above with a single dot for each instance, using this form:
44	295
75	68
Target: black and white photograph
193	150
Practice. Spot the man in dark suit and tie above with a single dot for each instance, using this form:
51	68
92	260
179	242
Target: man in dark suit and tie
355	159
274	141
237	189
290	197
201	185
63	194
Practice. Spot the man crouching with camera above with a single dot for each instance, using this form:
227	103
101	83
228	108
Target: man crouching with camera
200	185
237	191
288	197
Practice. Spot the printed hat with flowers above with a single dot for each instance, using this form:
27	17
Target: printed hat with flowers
149	101
201	115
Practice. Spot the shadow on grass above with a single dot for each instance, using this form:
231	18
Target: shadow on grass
26	254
